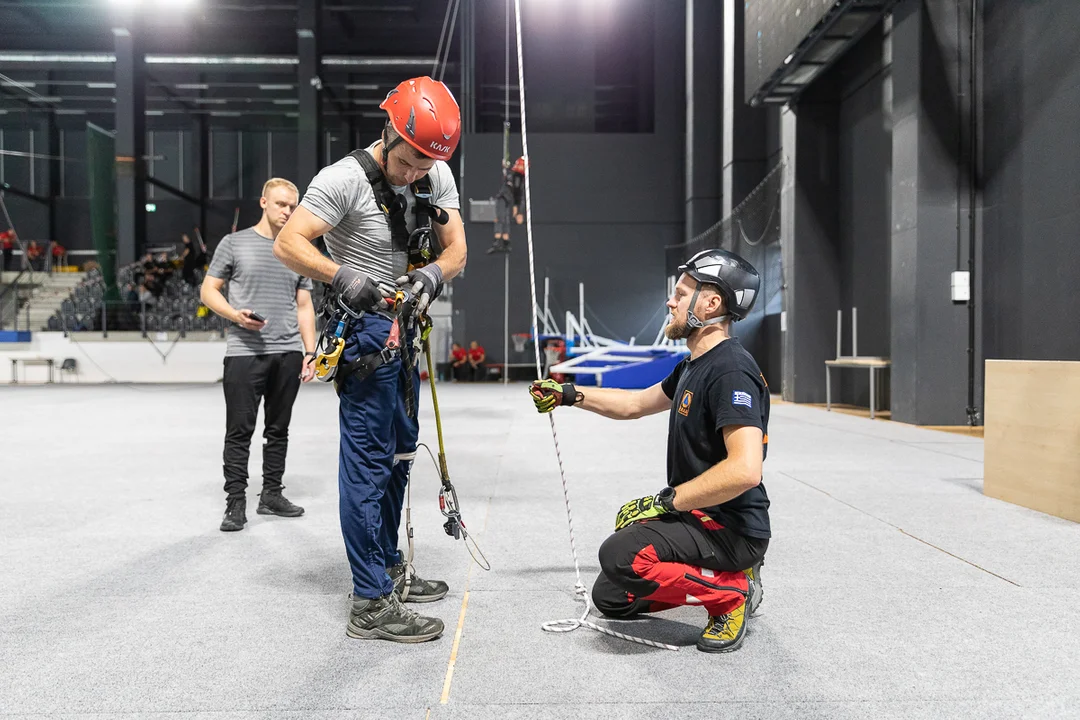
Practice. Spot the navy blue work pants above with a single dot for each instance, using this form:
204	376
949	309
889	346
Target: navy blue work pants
378	444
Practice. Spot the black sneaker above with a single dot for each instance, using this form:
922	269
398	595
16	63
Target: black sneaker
275	504
235	515
419	590
386	618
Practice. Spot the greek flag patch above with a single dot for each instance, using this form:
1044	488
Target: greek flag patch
739	397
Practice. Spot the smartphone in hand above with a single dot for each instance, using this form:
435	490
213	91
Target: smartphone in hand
256	317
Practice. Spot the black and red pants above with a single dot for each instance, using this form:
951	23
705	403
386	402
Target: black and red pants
685	559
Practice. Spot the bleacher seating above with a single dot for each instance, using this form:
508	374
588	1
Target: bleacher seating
175	308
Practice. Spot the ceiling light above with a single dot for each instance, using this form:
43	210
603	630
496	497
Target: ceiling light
282	86
101	85
192	86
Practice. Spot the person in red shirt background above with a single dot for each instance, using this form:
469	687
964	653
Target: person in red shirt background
7	244
458	357
476	358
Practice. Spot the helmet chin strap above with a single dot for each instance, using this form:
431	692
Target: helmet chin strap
692	319
387	147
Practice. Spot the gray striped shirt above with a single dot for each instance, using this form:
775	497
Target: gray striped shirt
341	196
259	282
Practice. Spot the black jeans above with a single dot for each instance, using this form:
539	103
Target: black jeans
674	560
249	379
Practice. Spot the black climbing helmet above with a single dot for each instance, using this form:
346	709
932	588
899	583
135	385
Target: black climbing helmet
736	279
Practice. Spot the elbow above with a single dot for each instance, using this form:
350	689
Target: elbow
279	249
751	476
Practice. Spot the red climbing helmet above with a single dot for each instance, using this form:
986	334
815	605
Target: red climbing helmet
519	165
424	114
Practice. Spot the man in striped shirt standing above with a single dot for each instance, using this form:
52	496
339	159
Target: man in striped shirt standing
269	350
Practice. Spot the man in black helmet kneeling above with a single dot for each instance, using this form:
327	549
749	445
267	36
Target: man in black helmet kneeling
701	539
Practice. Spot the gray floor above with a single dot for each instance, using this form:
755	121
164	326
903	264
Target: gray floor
894	588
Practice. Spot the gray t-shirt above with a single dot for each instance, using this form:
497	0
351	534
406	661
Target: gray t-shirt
342	196
259	282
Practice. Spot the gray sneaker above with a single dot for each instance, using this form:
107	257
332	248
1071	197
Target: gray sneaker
757	590
420	590
386	618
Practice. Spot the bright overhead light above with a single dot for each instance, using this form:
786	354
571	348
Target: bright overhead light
361	86
192	86
17	84
162	4
43	99
282	86
33	57
155	113
101	85
220	60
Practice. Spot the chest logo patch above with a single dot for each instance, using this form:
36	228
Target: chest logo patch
684	404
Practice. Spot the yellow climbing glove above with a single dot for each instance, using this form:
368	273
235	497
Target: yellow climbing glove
547	394
646	508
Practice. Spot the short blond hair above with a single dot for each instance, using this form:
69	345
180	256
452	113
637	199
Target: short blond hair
278	182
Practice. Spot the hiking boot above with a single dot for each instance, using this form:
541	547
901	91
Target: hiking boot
274	503
386	618
757	591
235	515
724	633
420	590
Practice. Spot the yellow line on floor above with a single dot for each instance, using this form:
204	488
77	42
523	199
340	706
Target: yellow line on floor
457	641
464	606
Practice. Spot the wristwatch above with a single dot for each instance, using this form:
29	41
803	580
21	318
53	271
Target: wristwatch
666	497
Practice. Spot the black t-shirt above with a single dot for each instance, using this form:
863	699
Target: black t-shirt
722	387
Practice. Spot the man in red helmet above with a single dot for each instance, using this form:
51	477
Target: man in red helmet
374	209
508	203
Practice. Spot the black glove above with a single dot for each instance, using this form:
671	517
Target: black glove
425	283
359	291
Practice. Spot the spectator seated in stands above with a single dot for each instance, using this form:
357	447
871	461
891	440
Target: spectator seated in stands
476	360
7	246
189	260
459	358
153	297
35	253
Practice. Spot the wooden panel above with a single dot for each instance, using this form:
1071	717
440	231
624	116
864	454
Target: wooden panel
1032	435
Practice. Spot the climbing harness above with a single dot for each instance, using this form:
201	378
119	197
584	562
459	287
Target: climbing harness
422	244
580	591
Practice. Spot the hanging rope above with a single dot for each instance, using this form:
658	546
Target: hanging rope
442	57
506	95
580	591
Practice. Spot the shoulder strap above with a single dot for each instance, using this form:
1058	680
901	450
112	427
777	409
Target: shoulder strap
392	204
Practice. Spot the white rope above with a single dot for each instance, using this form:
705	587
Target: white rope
580	591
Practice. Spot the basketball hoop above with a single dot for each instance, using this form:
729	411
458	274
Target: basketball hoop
519	341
